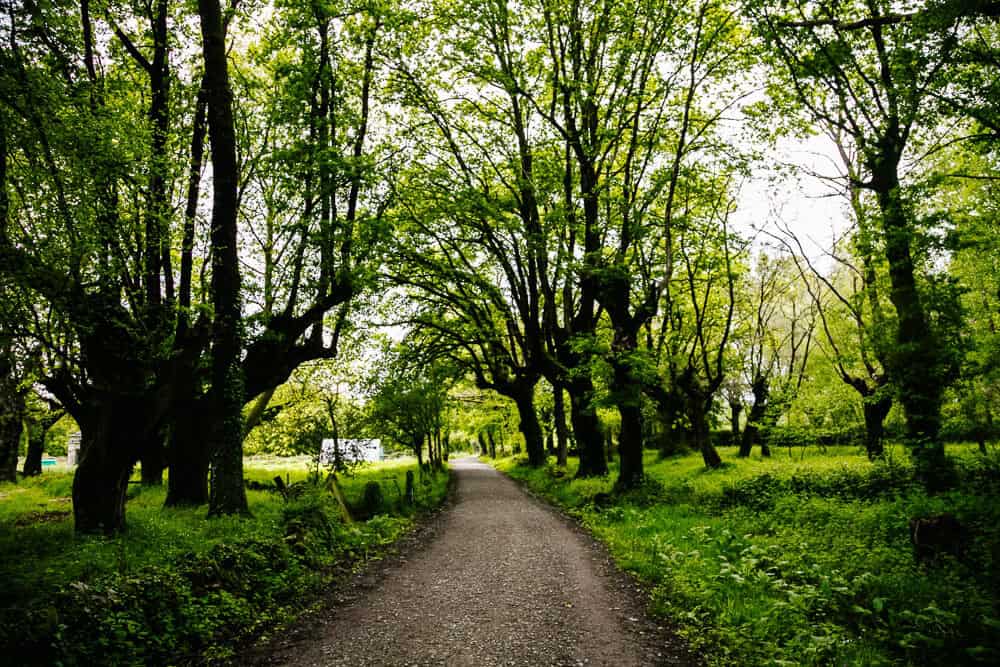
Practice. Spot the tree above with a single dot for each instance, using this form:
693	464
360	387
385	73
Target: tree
13	410
409	403
872	74
859	352
60	107
41	416
228	495
776	348
692	338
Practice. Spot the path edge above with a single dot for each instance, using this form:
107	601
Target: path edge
656	631
346	584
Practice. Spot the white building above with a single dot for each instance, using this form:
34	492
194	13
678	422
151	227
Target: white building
352	450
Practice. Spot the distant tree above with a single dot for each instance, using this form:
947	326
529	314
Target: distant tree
42	414
775	347
409	403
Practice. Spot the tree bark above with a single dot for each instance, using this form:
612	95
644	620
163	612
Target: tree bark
12	413
227	493
586	429
187	484
559	415
630	471
751	432
153	458
530	428
875	412
10	439
38	428
36	447
110	427
735	409
698	410
916	361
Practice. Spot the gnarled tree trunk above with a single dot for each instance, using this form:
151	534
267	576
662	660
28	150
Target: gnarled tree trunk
110	428
875	413
630	472
559	415
916	360
586	429
698	410
530	427
188	456
755	419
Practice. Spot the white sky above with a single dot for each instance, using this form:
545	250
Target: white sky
808	205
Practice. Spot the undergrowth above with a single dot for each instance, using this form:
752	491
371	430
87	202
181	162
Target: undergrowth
178	588
801	561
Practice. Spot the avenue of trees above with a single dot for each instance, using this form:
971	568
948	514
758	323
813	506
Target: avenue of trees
200	201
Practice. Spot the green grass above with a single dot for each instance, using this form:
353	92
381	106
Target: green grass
46	566
802	559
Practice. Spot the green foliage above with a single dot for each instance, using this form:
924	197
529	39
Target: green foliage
804	560
177	588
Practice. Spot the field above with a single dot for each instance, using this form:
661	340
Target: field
805	558
178	586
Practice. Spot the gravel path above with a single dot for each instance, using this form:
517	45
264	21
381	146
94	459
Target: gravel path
501	580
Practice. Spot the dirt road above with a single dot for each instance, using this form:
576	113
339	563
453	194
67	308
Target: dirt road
502	580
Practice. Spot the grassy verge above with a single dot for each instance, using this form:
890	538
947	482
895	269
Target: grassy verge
177	588
803	559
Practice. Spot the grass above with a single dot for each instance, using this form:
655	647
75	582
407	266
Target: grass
44	561
802	559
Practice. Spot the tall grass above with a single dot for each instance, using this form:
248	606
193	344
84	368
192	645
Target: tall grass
102	592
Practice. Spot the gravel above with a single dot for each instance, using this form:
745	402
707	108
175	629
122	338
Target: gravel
499	579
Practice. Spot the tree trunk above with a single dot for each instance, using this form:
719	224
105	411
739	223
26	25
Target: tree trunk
751	432
187	483
36	447
735	409
12	410
530	427
698	409
875	413
153	458
188	448
109	432
227	493
673	436
559	415
483	447
10	437
586	429
38	428
916	361
628	390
